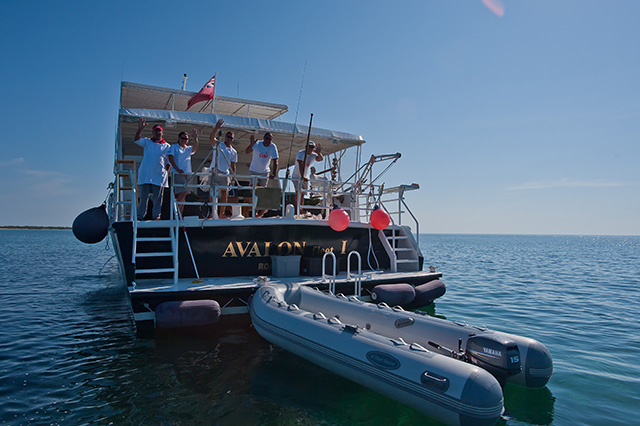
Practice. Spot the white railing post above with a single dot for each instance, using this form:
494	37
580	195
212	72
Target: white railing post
332	281
358	279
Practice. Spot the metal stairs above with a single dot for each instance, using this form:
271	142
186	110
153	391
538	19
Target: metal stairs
155	249
401	247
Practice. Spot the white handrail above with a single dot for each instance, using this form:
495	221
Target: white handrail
332	281
358	279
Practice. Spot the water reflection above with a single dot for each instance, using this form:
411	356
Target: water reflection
534	406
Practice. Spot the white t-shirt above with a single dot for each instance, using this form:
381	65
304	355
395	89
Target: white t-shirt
300	157
153	166
228	155
262	155
181	156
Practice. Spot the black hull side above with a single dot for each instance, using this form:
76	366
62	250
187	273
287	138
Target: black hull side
245	250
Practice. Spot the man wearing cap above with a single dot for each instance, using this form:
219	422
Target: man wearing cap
152	173
301	169
264	152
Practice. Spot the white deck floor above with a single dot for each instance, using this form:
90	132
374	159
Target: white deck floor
229	283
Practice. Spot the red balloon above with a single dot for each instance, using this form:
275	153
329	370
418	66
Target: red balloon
380	219
338	220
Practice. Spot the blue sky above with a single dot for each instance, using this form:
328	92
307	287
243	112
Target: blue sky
523	123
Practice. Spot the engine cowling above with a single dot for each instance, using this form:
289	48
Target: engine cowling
498	355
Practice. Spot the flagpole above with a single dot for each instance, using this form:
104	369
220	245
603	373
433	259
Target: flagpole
213	95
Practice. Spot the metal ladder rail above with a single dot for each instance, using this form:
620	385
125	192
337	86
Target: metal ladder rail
401	203
119	202
395	239
134	219
332	281
174	232
357	291
393	243
172	228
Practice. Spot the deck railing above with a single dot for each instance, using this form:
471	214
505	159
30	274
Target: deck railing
245	194
320	198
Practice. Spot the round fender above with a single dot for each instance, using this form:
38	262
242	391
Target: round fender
338	220
91	226
393	294
428	292
187	313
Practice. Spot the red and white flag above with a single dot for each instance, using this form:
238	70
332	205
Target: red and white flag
205	94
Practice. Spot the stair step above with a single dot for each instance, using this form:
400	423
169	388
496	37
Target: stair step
155	254
154	271
143	239
156	224
407	261
397	237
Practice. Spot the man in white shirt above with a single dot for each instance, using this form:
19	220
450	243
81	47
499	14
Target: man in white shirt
301	170
264	151
179	156
153	170
225	163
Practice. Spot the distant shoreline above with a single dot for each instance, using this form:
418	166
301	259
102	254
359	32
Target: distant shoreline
35	227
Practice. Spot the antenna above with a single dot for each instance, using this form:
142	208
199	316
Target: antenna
184	82
295	124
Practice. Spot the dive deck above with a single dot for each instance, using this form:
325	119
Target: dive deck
233	293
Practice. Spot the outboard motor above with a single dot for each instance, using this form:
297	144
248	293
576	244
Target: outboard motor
498	355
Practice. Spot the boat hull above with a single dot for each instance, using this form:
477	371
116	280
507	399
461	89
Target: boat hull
244	248
451	391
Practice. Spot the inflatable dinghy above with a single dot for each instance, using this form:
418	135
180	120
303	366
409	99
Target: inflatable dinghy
352	338
510	358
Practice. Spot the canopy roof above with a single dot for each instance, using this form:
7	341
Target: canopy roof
133	95
155	105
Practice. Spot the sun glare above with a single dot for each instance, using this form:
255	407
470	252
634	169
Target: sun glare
496	6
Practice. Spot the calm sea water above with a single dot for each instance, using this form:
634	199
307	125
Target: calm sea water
68	353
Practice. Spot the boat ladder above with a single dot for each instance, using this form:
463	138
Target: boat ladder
332	279
153	243
401	248
358	278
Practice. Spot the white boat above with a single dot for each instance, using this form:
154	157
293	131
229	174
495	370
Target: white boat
364	343
178	261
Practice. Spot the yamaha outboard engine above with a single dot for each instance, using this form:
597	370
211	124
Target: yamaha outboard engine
498	355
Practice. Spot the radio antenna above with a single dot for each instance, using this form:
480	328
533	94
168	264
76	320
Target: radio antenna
295	123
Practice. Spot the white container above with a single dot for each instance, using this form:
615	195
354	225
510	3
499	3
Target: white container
285	266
